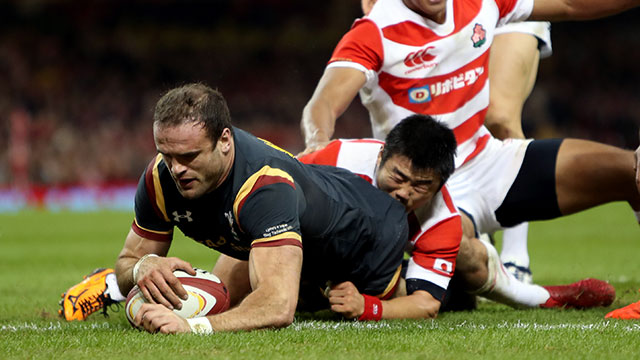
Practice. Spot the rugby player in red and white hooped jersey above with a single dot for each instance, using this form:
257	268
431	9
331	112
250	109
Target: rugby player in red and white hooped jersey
413	167
434	222
431	57
516	51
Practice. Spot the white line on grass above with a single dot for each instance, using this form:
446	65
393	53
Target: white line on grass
346	325
434	325
53	327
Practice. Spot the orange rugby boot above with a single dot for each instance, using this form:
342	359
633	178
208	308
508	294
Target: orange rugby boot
87	297
629	312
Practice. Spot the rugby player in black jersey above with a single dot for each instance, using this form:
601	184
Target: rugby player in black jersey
268	214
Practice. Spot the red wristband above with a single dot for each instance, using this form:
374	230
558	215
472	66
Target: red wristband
372	308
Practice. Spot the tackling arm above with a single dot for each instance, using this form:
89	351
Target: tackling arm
555	10
335	91
346	300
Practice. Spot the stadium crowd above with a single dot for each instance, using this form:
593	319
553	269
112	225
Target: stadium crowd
79	80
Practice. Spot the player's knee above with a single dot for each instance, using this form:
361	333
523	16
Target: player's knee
467	260
471	263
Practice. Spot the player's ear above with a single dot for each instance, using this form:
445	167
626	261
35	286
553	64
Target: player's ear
379	160
225	141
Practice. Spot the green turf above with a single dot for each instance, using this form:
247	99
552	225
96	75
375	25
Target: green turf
41	254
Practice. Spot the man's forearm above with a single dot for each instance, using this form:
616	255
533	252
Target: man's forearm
260	309
318	124
124	273
419	305
554	10
335	91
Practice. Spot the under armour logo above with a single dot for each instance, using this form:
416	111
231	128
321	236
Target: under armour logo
177	217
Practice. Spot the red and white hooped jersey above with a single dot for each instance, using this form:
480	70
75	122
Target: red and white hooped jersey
435	230
415	65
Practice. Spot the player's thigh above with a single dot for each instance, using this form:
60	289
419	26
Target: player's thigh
532	195
512	72
591	173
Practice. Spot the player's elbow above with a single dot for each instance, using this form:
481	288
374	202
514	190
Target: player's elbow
427	307
282	312
430	310
283	317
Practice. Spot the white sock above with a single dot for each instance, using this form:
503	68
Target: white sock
112	288
502	287
514	245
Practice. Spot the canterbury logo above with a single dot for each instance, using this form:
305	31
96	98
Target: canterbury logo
177	217
419	57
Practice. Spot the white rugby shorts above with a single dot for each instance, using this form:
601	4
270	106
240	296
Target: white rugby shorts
539	29
480	186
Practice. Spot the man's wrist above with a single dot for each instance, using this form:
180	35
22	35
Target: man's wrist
200	325
372	308
136	267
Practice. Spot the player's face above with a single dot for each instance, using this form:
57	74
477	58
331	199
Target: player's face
431	9
414	189
196	164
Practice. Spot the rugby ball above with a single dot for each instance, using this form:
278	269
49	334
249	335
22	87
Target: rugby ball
207	296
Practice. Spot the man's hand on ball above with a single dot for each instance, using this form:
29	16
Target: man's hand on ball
159	285
157	318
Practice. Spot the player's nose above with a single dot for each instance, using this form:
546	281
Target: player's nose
402	194
178	169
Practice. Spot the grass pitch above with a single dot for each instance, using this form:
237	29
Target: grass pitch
42	254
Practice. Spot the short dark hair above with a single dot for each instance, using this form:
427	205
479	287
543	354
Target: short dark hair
426	142
197	103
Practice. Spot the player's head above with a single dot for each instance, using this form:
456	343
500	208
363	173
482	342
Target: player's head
432	9
192	130
416	161
194	103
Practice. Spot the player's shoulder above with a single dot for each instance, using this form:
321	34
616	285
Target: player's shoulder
441	208
156	174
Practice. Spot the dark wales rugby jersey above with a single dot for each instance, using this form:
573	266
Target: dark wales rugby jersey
348	229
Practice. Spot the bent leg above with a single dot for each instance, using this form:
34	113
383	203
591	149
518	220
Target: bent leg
590	174
513	68
471	263
481	271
